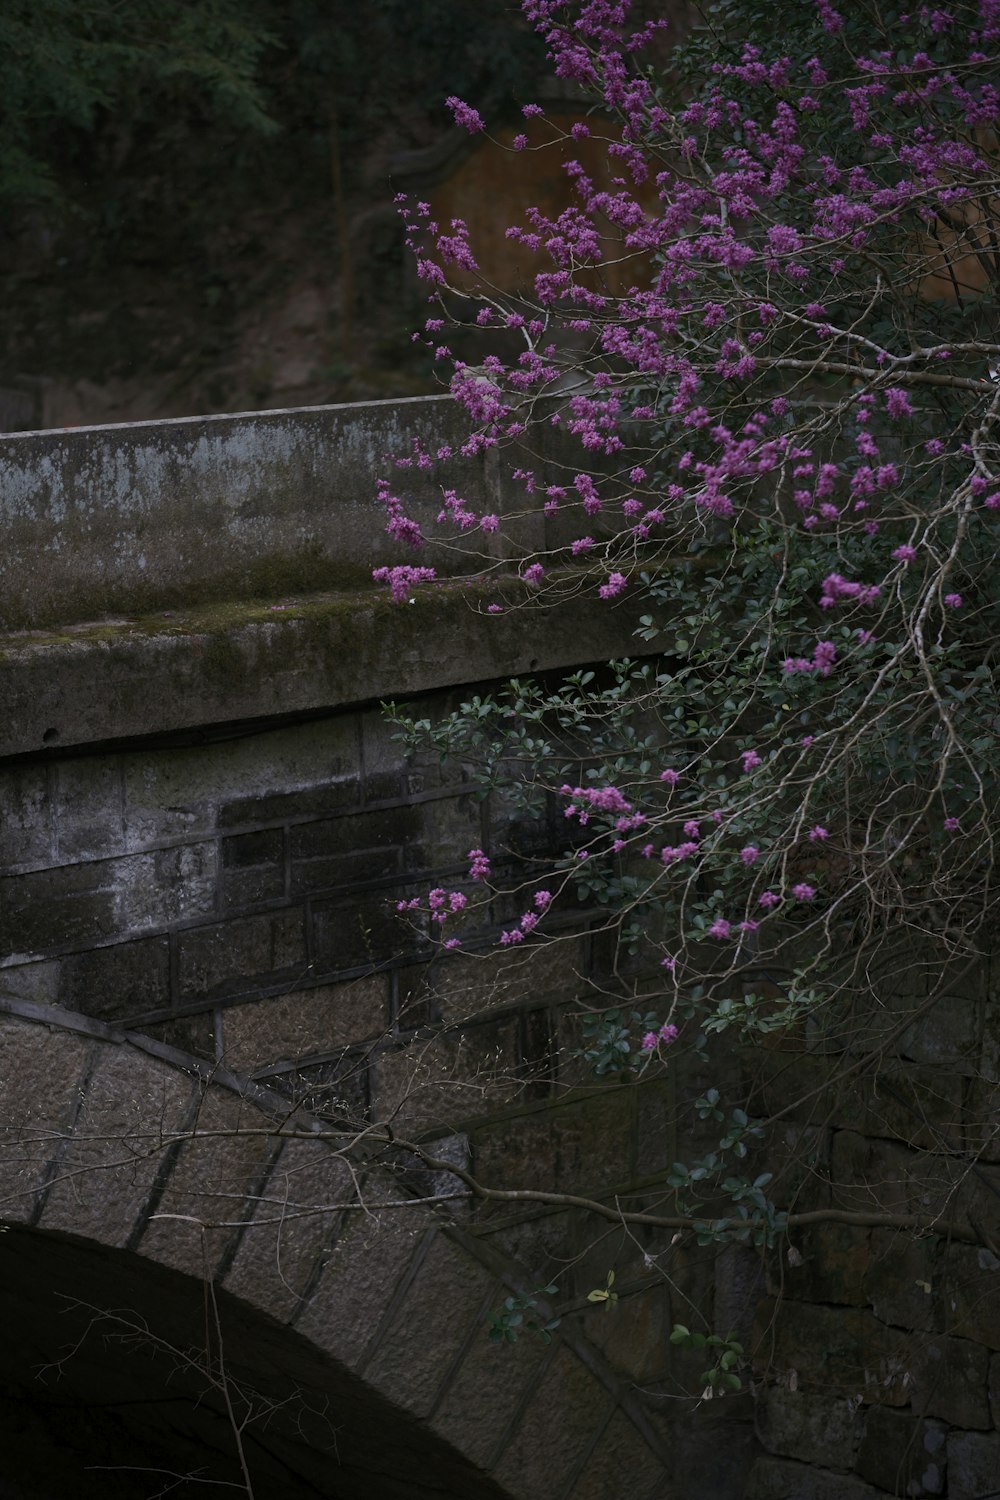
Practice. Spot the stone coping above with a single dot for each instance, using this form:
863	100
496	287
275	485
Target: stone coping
125	679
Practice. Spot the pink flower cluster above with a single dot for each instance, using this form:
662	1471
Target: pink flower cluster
665	1036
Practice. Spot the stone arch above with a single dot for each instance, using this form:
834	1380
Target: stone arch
117	1151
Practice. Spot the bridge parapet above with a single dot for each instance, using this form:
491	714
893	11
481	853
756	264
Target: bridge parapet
207	827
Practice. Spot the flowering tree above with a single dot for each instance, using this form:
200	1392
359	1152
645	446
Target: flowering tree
771	350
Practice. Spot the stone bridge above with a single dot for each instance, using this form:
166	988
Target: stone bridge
217	1261
206	825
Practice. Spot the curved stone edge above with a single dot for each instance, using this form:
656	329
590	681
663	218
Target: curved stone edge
400	1303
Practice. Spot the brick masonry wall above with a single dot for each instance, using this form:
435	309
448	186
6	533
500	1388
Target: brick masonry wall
235	898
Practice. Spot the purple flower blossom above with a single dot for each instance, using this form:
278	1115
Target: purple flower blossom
668	1033
905	553
803	892
465	115
670	777
951	825
649	1041
819	832
768	899
749	853
616	584
402	578
897	404
543	900
750	760
720	928
953	601
479	865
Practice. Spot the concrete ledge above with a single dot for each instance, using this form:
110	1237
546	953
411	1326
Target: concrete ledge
122	680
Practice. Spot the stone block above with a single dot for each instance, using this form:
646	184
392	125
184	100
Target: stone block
973	1465
634	1336
298	771
38	981
244	953
389	772
541	1242
213	1186
835	1259
133	1107
448	1079
413	995
444	1305
42	1073
26	820
884	1177
195	1034
449	827
948	1036
994	1389
948	1379
337	1088
971	1293
165	886
390	827
902	1453
906	1102
329	873
581	1147
48	910
738	1287
816	1428
244	851
479	1401
784	1479
243	890
287	1028
368	930
253	868
119	981
902	1279
293	1224
555	1429
621	1454
572	1069
711	1448
474	983
361	1277
979	1135
656	1128
845	1350
89	808
333	794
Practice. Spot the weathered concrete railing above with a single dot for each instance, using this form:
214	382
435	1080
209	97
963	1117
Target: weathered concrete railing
131	518
165	575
